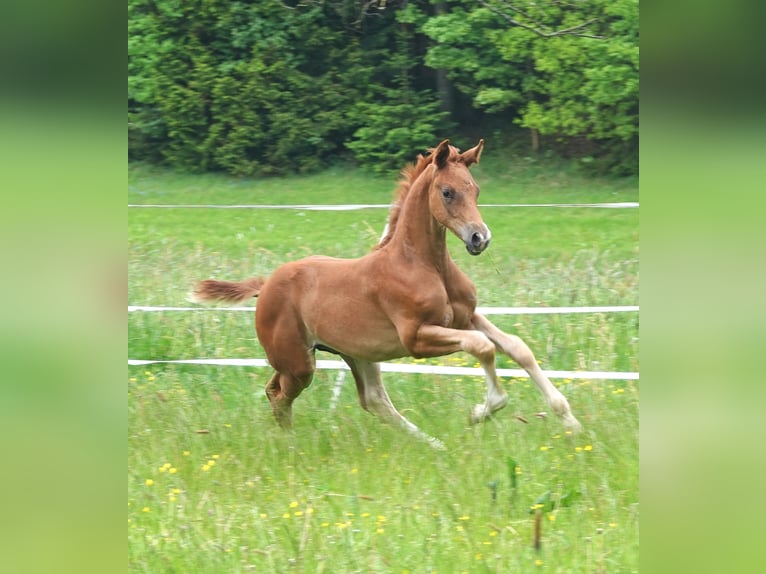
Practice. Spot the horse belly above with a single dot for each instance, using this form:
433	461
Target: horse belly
357	330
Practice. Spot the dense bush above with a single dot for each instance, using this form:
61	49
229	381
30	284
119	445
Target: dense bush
575	85
276	86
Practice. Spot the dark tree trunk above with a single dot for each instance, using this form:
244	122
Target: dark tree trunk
443	86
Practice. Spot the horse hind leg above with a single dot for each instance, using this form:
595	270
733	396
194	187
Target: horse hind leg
282	390
282	412
374	399
291	358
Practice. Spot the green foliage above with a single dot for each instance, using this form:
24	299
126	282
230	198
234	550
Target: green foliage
394	132
283	87
220	85
589	86
464	42
397	121
566	85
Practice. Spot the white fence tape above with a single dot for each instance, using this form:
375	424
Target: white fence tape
482	310
356	206
409	368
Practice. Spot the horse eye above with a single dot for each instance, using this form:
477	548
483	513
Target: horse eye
447	193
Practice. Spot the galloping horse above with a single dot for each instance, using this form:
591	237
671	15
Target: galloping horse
407	297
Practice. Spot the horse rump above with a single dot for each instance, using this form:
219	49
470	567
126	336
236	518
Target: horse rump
227	291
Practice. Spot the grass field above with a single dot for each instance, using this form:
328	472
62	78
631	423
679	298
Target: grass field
215	486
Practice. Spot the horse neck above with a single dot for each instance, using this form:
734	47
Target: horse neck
417	231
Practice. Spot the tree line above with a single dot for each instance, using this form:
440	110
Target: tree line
278	86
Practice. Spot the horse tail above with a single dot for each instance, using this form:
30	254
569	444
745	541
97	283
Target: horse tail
227	291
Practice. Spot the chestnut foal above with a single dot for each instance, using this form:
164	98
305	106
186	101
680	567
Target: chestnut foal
405	298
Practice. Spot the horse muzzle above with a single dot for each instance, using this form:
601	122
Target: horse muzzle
477	239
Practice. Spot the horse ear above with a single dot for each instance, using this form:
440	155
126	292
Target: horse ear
441	155
472	155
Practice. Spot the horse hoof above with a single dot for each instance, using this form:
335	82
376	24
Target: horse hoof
571	423
479	414
436	444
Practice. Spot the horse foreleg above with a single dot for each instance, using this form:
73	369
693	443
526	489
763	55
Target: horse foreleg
374	398
518	350
434	341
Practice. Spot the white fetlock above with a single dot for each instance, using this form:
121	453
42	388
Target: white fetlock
499	402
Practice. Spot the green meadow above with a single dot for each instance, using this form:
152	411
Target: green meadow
215	486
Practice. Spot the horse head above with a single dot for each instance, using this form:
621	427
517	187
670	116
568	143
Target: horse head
453	195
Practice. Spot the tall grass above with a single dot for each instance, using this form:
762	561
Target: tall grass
215	486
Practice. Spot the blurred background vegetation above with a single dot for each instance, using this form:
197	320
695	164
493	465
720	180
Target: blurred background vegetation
280	86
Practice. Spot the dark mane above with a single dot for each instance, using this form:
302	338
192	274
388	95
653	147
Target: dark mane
409	174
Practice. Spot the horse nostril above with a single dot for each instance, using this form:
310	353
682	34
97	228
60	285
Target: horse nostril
476	239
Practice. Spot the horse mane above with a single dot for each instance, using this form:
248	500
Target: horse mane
409	174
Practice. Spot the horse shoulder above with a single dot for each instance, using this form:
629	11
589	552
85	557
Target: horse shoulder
395	283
